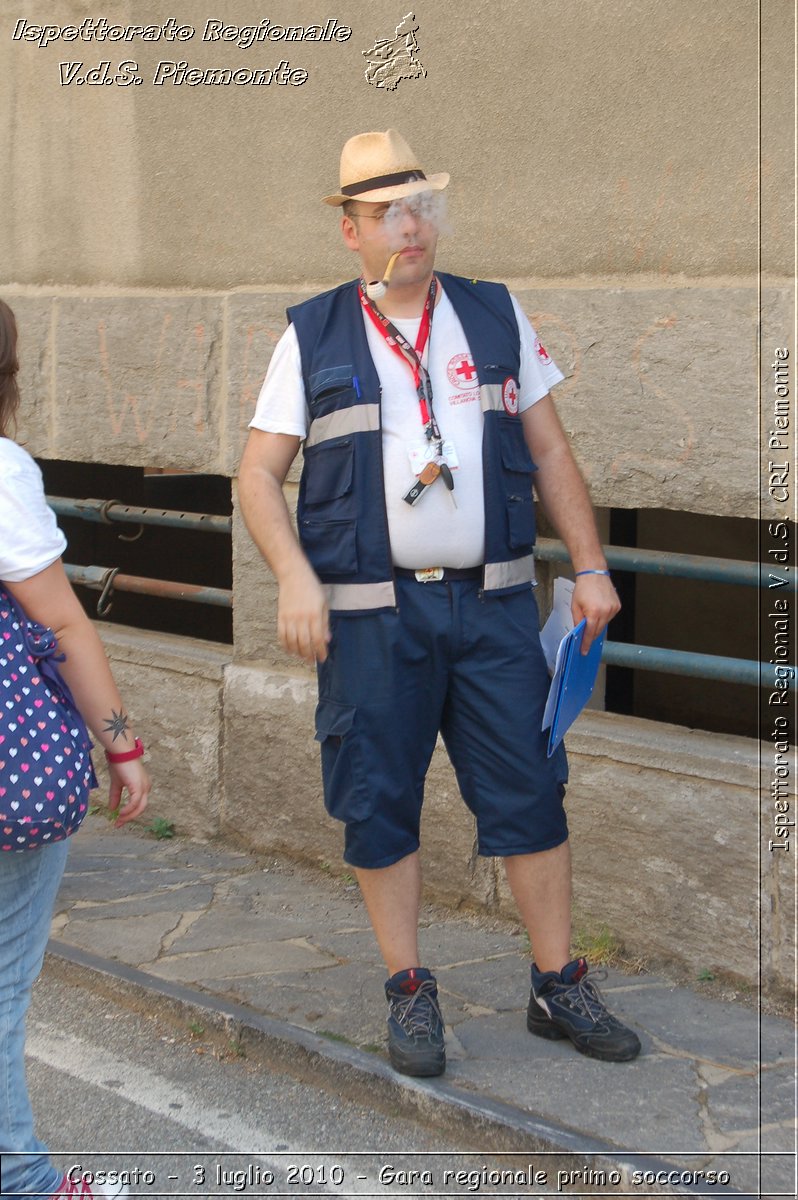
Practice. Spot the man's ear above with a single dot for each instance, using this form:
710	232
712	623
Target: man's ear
349	233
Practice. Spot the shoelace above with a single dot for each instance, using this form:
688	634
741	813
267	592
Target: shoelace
590	1001
416	1013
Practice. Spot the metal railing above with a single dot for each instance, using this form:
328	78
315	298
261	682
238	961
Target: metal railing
683	566
114	512
107	580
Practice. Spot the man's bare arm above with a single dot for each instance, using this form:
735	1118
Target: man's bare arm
565	499
302	617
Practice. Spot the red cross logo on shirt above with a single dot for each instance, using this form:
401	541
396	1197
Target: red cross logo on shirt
462	372
542	352
510	395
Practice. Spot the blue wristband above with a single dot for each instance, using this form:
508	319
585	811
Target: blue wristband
592	572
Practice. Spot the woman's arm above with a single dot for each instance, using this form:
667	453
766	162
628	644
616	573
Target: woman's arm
48	598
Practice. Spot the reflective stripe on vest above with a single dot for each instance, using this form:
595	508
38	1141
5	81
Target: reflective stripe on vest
354	597
491	397
509	574
360	418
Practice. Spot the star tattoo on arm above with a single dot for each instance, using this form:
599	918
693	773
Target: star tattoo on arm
117	724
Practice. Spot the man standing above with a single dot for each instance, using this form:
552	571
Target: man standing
425	412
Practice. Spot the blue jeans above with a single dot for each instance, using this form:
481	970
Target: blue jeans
29	882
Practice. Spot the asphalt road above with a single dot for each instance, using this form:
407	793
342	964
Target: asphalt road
184	1114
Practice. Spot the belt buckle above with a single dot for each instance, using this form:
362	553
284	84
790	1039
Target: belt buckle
429	574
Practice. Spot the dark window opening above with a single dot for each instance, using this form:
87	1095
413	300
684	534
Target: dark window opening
686	614
175	554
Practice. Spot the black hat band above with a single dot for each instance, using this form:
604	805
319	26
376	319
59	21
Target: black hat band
382	181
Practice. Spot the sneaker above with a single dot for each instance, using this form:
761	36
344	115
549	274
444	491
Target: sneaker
415	1024
101	1191
570	1005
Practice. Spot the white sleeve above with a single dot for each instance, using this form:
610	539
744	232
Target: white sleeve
539	372
281	406
30	539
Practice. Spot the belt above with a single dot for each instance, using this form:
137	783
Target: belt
439	574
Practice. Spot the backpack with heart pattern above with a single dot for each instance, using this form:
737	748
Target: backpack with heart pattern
46	772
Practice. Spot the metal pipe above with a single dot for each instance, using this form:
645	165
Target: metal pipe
684	662
620	558
96	578
661	562
114	512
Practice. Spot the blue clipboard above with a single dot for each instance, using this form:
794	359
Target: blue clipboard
572	684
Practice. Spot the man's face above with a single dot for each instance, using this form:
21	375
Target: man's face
376	231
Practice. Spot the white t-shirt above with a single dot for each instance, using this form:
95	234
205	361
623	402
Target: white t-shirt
433	532
30	539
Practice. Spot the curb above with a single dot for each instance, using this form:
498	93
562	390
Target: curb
366	1077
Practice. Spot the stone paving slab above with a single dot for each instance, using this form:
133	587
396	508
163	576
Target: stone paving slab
250	958
225	923
132	939
192	897
501	984
709	1029
601	1099
294	946
336	1003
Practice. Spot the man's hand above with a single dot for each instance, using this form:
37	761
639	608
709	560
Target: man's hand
596	600
303	624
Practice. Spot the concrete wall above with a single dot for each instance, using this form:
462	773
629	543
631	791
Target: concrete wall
607	161
605	138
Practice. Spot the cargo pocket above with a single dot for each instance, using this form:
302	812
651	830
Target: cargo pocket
331	546
329	388
346	794
327	532
329	468
517	470
520	521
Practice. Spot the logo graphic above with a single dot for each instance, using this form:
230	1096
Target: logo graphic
542	352
393	59
462	372
510	395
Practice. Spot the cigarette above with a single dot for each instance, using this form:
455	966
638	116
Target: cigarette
378	287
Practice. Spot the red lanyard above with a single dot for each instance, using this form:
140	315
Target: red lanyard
412	355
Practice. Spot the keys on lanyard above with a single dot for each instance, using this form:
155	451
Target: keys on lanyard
448	479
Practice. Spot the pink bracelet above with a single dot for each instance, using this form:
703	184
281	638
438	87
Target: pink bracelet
126	755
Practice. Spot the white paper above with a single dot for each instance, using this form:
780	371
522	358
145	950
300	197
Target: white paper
560	621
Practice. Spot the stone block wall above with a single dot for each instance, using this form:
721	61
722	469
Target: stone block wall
658	400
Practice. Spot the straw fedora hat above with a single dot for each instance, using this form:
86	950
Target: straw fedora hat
378	167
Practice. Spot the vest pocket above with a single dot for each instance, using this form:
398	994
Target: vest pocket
331	546
346	794
517	471
520	521
327	387
328	471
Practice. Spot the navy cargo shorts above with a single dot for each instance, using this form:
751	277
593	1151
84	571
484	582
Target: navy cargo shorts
449	659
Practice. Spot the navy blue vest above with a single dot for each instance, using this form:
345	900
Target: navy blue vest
341	515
